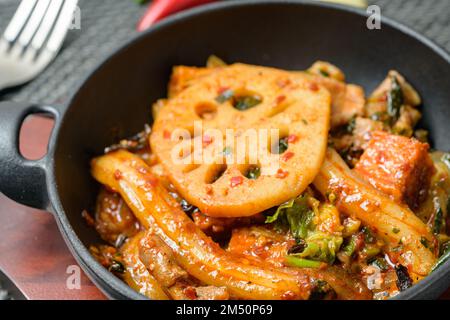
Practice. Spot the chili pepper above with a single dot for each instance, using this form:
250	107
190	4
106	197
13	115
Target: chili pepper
159	9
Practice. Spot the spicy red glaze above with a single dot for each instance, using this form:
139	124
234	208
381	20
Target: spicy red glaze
222	90
190	293
235	181
166	134
279	99
292	138
282	83
209	190
313	86
117	174
207	140
281	174
287	156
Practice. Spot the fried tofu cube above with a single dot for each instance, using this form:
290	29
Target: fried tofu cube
398	166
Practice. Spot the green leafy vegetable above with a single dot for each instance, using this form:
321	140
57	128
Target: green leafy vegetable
227	151
370	251
246	102
368	236
116	267
380	263
438	220
395	100
444	257
293	261
324	73
321	290
351	125
424	241
225	96
350	247
298	217
253	173
282	146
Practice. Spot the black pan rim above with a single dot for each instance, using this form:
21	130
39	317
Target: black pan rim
102	277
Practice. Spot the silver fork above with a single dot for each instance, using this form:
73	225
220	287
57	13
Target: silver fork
33	38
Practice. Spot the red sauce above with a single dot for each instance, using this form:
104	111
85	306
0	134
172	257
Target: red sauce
235	181
282	83
206	140
190	293
281	174
287	156
292	138
314	87
166	134
222	90
279	99
117	175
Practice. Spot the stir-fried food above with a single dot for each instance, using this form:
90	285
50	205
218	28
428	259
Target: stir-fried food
260	183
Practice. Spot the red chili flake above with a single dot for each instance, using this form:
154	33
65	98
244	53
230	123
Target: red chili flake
190	293
314	87
166	134
207	140
282	83
117	174
279	99
209	190
383	98
235	181
287	156
151	182
281	174
292	138
222	90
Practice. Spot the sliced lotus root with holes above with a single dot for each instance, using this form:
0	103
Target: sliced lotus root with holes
210	172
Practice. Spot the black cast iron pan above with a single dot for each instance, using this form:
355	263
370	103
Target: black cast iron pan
114	100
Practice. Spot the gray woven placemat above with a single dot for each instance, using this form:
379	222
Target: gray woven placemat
106	24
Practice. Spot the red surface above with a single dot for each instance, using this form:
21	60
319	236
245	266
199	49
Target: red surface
32	251
160	9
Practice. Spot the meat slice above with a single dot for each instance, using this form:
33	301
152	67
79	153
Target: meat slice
220	228
398	166
261	242
159	260
114	221
347	100
183	291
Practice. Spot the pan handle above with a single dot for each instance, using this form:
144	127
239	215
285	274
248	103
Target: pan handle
22	180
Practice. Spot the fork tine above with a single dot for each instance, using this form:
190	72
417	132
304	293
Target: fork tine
62	25
19	19
4	46
47	24
33	23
